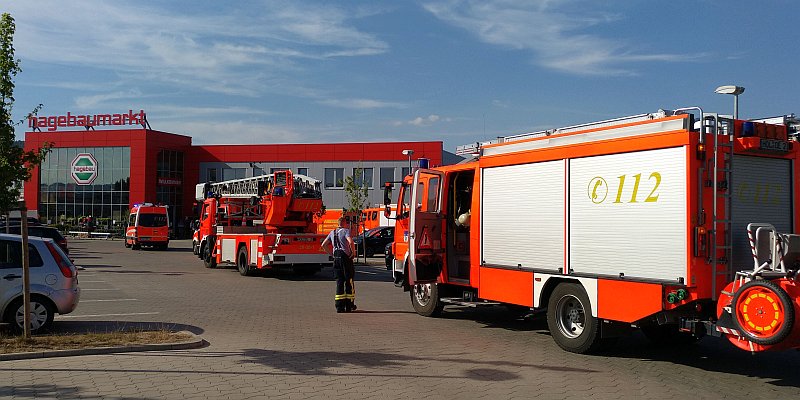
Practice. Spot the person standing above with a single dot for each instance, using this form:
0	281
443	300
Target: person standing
341	246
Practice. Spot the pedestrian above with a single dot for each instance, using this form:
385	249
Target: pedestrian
341	246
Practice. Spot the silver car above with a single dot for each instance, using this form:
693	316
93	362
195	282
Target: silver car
53	279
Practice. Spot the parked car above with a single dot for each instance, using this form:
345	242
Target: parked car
374	240
53	282
43	232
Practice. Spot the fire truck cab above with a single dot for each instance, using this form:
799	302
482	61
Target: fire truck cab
148	225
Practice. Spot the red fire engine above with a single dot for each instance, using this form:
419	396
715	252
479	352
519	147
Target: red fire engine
261	222
677	222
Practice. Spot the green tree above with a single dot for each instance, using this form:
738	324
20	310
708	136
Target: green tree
356	192
15	163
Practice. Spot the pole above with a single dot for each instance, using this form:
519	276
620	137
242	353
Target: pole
736	106
26	276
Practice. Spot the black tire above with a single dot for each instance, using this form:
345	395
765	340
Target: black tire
136	246
195	249
668	335
570	320
43	310
787	322
242	262
127	245
208	260
388	257
425	299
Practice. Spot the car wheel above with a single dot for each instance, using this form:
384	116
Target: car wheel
425	299
42	313
570	320
208	260
242	263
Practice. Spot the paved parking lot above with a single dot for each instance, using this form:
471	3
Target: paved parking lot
278	336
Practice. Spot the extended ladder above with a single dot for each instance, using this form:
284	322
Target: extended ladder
254	187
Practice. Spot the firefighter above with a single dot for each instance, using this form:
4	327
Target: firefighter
341	246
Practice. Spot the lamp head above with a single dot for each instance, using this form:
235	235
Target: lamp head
408	152
730	89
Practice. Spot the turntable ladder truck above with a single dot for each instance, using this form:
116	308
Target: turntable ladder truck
263	222
679	223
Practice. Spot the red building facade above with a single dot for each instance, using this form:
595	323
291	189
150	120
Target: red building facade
102	173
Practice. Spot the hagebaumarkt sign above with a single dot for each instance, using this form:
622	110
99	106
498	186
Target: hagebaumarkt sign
84	169
54	122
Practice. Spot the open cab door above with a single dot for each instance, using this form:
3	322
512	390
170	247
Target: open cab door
426	255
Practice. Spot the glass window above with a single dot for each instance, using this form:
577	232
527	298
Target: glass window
11	255
212	175
404	171
334	178
302	171
433	193
362	177
387	175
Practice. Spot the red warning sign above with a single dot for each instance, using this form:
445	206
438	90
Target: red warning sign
425	240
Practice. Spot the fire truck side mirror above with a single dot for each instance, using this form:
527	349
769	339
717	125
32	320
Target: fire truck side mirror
387	194
387	211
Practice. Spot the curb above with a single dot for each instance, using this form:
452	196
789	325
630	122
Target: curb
193	343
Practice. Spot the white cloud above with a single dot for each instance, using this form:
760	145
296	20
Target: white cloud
423	121
211	52
551	30
360	104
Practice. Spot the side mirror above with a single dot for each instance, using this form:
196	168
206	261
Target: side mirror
387	193
387	211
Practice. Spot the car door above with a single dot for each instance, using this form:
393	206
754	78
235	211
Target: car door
10	269
425	237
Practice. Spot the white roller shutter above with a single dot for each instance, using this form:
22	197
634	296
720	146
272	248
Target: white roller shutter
522	215
619	227
762	192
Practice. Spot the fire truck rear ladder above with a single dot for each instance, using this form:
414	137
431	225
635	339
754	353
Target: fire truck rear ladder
722	162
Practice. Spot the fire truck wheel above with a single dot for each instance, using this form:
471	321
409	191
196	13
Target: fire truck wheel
242	263
570	320
208	260
425	299
127	245
763	312
136	246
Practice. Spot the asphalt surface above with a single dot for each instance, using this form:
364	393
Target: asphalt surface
278	336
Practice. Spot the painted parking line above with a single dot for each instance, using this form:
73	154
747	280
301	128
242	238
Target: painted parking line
368	272
98	301
93	282
96	290
107	315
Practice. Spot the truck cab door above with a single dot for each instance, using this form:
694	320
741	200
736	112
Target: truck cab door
426	255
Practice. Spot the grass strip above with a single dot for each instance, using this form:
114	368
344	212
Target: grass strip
16	344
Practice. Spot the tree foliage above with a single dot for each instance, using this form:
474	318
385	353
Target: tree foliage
356	191
15	163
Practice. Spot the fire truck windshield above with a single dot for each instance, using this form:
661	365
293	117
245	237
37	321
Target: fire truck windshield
152	220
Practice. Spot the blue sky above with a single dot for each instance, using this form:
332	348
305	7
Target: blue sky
451	70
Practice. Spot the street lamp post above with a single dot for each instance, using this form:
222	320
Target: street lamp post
735	91
409	153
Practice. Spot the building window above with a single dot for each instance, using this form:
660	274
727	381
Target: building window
302	171
276	169
334	178
404	171
212	175
387	175
362	177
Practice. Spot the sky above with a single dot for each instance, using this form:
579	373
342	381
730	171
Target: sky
459	71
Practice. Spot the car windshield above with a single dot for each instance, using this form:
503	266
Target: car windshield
152	220
372	232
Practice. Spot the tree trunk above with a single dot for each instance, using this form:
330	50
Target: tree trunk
26	274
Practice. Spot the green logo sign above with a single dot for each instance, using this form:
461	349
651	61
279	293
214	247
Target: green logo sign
84	169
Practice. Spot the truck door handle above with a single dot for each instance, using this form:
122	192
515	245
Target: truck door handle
11	277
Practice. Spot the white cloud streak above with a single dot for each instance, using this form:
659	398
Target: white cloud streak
211	52
551	30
